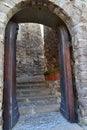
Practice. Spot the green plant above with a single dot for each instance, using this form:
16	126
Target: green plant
47	72
50	72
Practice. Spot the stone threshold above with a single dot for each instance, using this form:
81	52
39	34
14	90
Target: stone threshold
45	121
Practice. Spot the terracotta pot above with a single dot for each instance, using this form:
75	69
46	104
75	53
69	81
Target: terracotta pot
52	77
46	77
57	76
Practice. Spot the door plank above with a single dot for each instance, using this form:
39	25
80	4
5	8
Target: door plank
10	107
67	96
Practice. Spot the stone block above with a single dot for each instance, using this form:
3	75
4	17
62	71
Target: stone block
3	17
4	8
83	121
16	1
8	3
82	5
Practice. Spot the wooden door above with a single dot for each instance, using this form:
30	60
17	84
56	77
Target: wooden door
67	96
10	108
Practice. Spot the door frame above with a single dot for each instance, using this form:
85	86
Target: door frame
10	69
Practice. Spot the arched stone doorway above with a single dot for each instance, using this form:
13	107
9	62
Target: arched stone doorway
37	14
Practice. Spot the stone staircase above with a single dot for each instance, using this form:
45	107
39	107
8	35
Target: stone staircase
34	96
38	107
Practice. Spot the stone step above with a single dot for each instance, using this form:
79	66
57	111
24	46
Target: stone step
32	85
25	79
33	109
31	82
38	102
33	91
35	98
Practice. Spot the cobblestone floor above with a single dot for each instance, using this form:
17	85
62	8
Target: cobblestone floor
46	121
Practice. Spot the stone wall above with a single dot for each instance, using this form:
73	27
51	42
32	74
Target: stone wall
51	48
74	15
55	90
52	60
30	50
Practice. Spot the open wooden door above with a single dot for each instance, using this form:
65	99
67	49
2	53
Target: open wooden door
67	96
10	108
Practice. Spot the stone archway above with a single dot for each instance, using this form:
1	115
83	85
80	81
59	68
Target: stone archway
40	15
74	24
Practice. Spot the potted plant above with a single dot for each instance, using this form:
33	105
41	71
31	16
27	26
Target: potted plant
52	74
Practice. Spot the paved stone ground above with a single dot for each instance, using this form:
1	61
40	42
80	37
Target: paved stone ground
46	121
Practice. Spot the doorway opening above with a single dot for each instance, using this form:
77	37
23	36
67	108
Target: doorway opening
40	15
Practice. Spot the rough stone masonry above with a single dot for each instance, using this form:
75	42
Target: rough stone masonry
30	51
